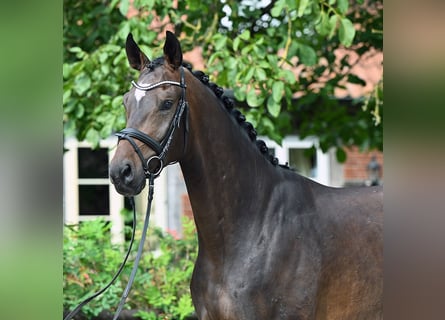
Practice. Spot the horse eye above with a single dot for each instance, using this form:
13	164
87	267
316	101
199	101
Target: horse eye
166	105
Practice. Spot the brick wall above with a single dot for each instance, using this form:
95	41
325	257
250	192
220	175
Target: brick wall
186	207
355	167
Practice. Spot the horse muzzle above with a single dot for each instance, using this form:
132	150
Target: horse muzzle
128	179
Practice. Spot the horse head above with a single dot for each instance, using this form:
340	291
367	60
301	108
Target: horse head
155	106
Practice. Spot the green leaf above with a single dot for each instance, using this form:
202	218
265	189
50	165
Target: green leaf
252	117
93	137
260	51
118	59
252	98
264	64
323	27
288	76
66	96
67	70
69	106
246	50
236	43
69	127
103	56
260	74
80	111
332	25
75	49
260	41
291	4
267	124
115	48
245	35
106	130
220	42
308	56
231	63
277	91
277	8
212	58
240	93
249	75
105	69
123	7
352	78
273	107
346	32
117	102
342	6
340	154
302	7
82	83
124	31
273	59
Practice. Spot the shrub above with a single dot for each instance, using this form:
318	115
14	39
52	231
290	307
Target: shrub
161	287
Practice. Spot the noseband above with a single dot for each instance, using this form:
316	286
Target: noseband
161	148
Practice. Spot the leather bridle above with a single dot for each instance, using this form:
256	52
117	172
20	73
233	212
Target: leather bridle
161	148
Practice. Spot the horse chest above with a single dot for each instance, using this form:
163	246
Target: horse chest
245	291
222	301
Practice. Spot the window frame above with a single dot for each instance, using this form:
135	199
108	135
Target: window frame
295	142
71	188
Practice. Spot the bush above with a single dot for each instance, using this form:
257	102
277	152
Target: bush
161	287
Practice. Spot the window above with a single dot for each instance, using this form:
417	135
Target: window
88	192
93	163
302	157
94	200
93	185
305	163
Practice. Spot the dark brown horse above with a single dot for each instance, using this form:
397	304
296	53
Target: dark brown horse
272	244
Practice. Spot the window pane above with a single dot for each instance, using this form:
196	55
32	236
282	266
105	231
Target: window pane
94	200
303	164
93	163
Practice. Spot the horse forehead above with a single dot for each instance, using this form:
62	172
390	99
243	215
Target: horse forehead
145	80
142	81
139	94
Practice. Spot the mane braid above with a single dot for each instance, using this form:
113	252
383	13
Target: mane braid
230	107
239	117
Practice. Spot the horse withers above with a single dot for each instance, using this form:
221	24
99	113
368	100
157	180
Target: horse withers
272	244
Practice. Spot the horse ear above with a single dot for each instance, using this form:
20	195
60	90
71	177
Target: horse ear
172	50
137	59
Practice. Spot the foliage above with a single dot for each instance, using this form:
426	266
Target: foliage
249	47
88	24
161	286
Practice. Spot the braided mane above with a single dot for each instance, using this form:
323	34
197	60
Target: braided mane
230	107
240	118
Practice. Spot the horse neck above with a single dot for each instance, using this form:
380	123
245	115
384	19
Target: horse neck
222	168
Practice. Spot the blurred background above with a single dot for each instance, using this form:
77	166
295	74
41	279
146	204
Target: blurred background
33	125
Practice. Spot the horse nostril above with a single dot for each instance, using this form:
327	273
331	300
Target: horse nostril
127	173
